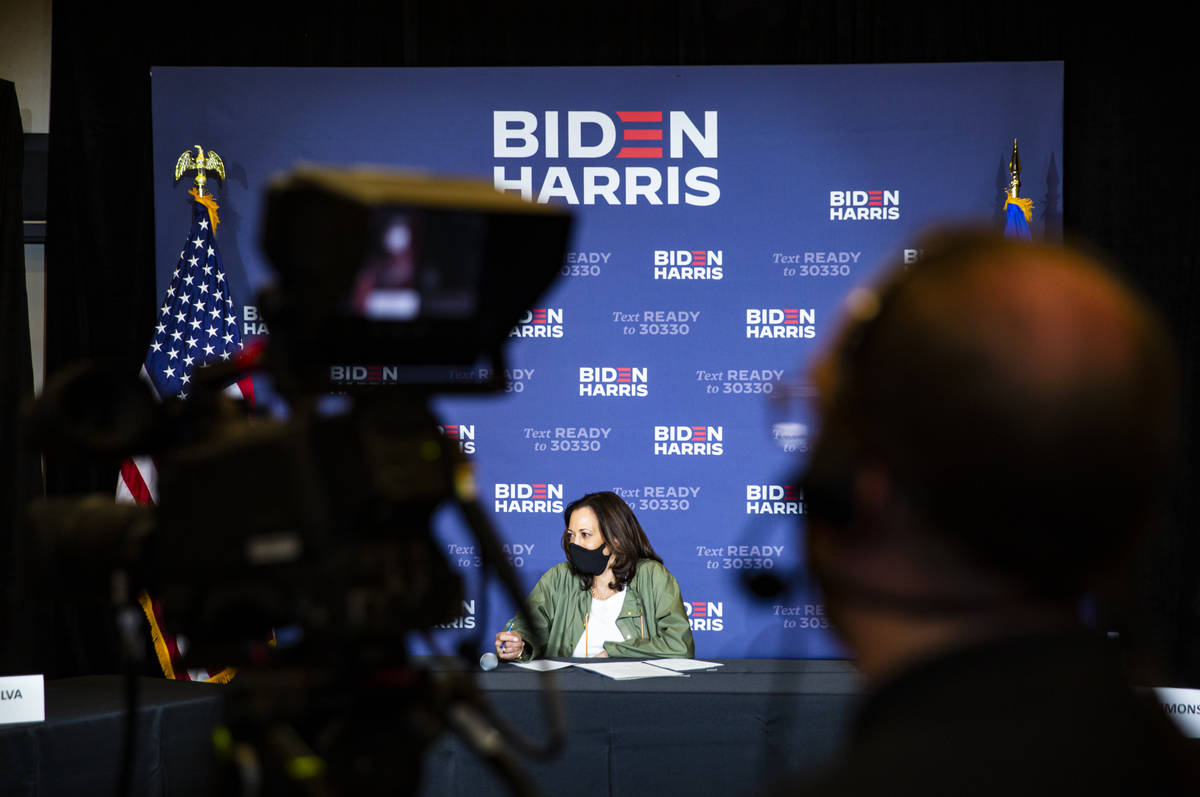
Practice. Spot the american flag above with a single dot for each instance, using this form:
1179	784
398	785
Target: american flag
197	325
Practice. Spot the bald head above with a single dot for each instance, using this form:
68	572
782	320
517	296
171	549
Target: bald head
1044	318
1017	395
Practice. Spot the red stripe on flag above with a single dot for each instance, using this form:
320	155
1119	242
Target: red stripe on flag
640	152
646	134
640	116
134	482
246	385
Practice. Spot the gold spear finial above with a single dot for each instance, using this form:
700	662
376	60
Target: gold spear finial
200	163
1014	172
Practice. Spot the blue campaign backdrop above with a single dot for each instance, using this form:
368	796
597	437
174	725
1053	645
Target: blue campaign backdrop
667	363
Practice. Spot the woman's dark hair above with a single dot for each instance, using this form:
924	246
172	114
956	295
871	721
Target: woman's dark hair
619	529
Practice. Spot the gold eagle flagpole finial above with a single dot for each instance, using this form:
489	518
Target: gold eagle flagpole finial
200	163
1014	172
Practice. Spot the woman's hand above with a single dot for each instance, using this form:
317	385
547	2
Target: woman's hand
509	645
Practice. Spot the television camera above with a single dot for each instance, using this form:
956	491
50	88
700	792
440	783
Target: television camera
316	529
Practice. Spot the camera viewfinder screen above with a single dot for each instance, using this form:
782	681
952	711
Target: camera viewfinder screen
419	265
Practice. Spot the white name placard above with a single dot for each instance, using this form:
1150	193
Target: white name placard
1182	706
22	699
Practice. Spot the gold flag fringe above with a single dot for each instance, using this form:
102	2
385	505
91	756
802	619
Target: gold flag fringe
209	202
160	644
164	654
1025	204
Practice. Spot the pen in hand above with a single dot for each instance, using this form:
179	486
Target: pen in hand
489	660
508	627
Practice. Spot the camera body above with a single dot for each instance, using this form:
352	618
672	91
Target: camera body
320	522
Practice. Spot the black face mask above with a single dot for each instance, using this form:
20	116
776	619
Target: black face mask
591	563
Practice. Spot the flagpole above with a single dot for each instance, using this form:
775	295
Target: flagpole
1014	171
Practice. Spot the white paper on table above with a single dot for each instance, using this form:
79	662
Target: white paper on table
542	665
22	699
1179	705
684	665
628	670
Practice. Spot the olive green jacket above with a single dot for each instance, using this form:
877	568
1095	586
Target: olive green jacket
652	619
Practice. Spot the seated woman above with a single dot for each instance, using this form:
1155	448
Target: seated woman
612	597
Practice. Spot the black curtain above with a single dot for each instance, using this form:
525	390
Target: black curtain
1127	180
21	478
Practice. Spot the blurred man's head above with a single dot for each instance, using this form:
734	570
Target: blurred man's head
996	422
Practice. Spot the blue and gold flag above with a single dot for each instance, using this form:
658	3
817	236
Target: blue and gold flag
1018	211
